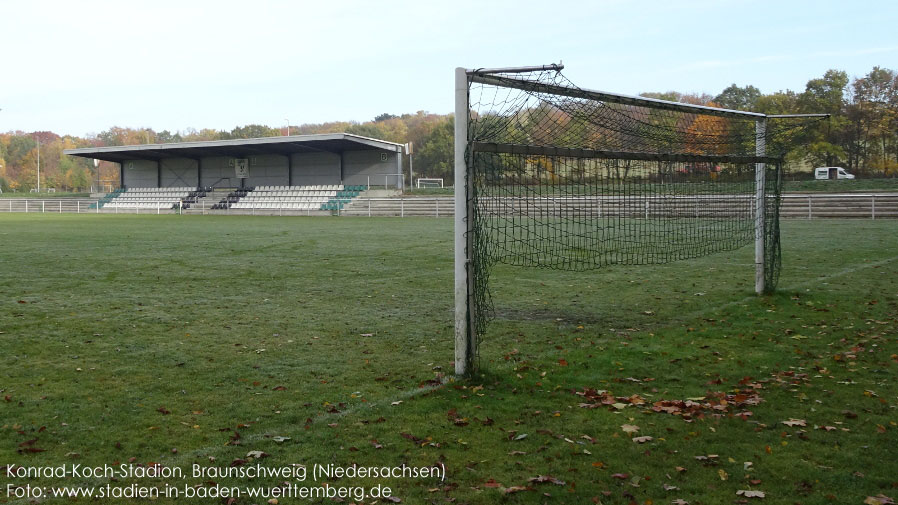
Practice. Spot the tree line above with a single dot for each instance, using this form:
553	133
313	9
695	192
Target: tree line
861	135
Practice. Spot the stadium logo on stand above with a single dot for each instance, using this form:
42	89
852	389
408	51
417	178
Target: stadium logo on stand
241	168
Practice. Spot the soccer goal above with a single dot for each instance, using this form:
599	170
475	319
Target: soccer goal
551	175
424	182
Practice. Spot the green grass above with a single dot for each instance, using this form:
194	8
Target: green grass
448	191
842	186
175	339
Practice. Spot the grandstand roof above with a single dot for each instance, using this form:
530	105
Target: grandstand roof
328	142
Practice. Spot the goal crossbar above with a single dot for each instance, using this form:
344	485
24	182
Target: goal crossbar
603	96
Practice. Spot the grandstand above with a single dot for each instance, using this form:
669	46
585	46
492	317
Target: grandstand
153	198
322	197
293	172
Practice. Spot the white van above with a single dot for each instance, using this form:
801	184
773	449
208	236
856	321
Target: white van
823	173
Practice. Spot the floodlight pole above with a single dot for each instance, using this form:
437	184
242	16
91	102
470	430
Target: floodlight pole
464	338
760	205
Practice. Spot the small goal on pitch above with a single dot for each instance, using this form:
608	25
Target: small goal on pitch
423	182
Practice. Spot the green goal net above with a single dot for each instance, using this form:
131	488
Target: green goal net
560	177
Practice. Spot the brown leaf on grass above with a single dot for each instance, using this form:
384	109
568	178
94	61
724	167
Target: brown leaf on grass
642	440
279	388
436	381
750	494
238	462
492	483
376	444
562	362
714	403
452	415
413	438
164	411
679	501
28	442
629	428
795	422
621	476
879	499
515	489
545	479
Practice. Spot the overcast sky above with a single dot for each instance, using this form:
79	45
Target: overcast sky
80	67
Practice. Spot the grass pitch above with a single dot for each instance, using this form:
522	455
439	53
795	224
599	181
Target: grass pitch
168	341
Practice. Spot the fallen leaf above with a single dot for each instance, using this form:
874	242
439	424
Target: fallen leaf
642	440
750	494
546	479
795	422
629	428
879	499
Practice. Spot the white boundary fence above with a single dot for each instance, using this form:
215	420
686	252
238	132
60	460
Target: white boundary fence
839	205
77	206
794	206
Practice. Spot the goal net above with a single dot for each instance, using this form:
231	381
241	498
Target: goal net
551	175
429	183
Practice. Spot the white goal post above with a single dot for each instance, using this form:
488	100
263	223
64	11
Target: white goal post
424	182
